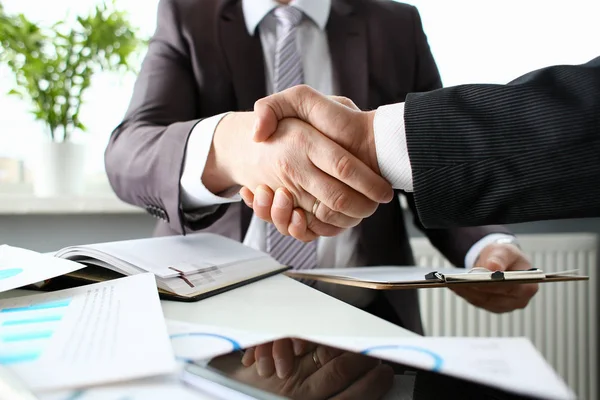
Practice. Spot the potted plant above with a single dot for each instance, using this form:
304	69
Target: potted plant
53	68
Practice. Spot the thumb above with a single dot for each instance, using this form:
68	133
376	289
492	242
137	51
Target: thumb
285	104
266	119
304	103
495	259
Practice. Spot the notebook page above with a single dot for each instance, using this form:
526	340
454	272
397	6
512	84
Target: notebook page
165	256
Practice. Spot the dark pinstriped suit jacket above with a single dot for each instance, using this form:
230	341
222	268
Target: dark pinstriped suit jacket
202	62
528	150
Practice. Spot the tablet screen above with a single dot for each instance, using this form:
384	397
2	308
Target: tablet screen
318	371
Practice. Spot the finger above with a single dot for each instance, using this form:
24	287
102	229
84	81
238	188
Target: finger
248	357
326	115
337	162
492	302
298	227
478	299
319	227
373	385
339	373
302	102
301	346
247	196
345	101
281	212
266	121
498	257
264	360
272	109
283	357
263	201
339	205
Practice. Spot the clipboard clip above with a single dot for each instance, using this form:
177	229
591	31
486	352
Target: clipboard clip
435	276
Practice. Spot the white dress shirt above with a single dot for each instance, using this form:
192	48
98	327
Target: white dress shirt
339	251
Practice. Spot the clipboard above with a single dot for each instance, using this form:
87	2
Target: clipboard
414	277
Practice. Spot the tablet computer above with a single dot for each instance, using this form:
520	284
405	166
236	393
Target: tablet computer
326	372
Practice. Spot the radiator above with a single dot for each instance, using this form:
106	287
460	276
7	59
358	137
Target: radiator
561	320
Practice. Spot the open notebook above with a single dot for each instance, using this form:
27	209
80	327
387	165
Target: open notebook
413	277
188	267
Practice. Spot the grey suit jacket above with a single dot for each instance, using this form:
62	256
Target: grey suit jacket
202	62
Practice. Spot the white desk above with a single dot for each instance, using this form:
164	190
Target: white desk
282	305
279	305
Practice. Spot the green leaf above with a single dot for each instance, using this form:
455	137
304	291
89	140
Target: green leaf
14	92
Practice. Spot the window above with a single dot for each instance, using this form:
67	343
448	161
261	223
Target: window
106	100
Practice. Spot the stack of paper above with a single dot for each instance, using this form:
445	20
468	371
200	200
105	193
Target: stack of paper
90	335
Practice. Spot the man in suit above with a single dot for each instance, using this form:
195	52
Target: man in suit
180	154
479	154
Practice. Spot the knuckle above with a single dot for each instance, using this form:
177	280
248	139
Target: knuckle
338	372
346	101
285	166
341	201
325	214
344	167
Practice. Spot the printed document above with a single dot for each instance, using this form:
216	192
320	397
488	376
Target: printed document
95	334
20	267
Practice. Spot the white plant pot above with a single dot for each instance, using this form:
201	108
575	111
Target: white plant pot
58	169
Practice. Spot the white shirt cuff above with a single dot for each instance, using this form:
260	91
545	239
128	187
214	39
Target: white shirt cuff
390	144
193	192
474	251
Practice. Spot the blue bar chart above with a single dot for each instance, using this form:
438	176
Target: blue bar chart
25	330
10	272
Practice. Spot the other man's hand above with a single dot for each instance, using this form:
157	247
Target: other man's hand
500	298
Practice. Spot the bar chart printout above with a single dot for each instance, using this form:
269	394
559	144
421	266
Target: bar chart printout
94	334
26	330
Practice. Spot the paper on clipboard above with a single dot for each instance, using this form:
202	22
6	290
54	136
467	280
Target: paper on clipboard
408	277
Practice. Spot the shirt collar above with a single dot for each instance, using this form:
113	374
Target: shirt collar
256	10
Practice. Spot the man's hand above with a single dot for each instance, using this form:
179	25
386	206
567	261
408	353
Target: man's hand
320	175
336	117
500	298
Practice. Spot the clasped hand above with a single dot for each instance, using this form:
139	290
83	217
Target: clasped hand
335	179
324	171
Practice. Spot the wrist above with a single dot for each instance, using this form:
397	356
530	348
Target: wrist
219	174
370	146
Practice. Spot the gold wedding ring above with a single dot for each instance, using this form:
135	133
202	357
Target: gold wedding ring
316	359
315	206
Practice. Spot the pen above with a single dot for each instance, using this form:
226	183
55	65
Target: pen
11	386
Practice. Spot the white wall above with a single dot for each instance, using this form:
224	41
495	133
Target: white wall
480	41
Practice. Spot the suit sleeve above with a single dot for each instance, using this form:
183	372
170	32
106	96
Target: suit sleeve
145	155
528	150
453	243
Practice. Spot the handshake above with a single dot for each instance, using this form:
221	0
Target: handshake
304	161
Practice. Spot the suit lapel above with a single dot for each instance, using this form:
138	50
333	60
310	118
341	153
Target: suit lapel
244	56
346	32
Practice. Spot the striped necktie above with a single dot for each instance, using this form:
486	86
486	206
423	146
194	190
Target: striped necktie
287	73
